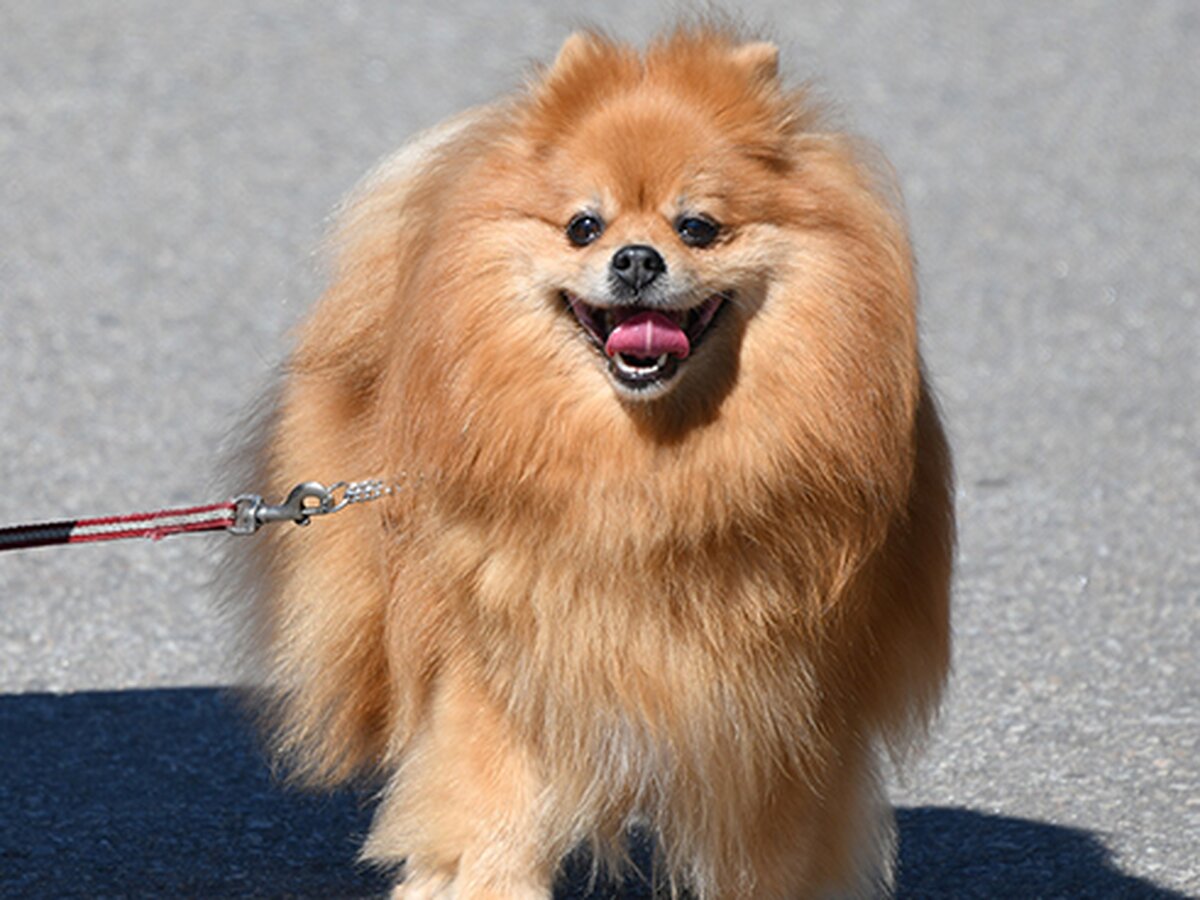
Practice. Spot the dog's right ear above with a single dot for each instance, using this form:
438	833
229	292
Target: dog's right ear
593	52
574	50
589	66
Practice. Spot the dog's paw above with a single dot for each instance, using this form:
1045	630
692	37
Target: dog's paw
427	887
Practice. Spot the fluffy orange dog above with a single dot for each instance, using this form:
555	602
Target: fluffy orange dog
676	543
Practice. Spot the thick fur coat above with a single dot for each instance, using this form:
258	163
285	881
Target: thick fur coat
704	608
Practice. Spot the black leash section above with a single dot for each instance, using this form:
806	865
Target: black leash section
242	515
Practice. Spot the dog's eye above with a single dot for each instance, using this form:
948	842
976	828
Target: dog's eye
697	231
584	228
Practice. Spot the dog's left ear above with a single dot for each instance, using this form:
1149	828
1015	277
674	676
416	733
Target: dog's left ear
758	59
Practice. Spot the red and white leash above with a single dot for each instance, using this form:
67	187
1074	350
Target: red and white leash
242	515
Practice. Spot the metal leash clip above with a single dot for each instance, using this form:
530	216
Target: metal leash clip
305	501
311	498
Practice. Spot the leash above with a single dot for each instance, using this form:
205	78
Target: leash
242	515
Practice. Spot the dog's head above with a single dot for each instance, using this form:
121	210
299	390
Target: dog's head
653	181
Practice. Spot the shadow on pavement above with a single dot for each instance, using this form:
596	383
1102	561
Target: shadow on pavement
163	793
956	853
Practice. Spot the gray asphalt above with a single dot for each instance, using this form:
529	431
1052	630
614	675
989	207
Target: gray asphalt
166	171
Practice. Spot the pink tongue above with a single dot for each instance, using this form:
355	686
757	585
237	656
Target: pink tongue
648	334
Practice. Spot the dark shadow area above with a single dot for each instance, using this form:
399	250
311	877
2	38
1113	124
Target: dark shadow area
163	793
956	853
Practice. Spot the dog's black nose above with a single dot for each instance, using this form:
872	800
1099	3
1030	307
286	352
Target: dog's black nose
637	265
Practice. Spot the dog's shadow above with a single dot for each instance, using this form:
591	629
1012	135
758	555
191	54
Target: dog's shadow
162	793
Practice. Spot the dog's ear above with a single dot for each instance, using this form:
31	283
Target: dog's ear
589	66
574	49
759	59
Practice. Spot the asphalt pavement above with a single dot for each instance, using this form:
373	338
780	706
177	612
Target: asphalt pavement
166	172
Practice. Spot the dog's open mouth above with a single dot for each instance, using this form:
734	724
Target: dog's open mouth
645	345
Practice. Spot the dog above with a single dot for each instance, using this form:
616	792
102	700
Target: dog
671	539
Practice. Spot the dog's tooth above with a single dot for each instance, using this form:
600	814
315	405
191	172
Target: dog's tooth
662	360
